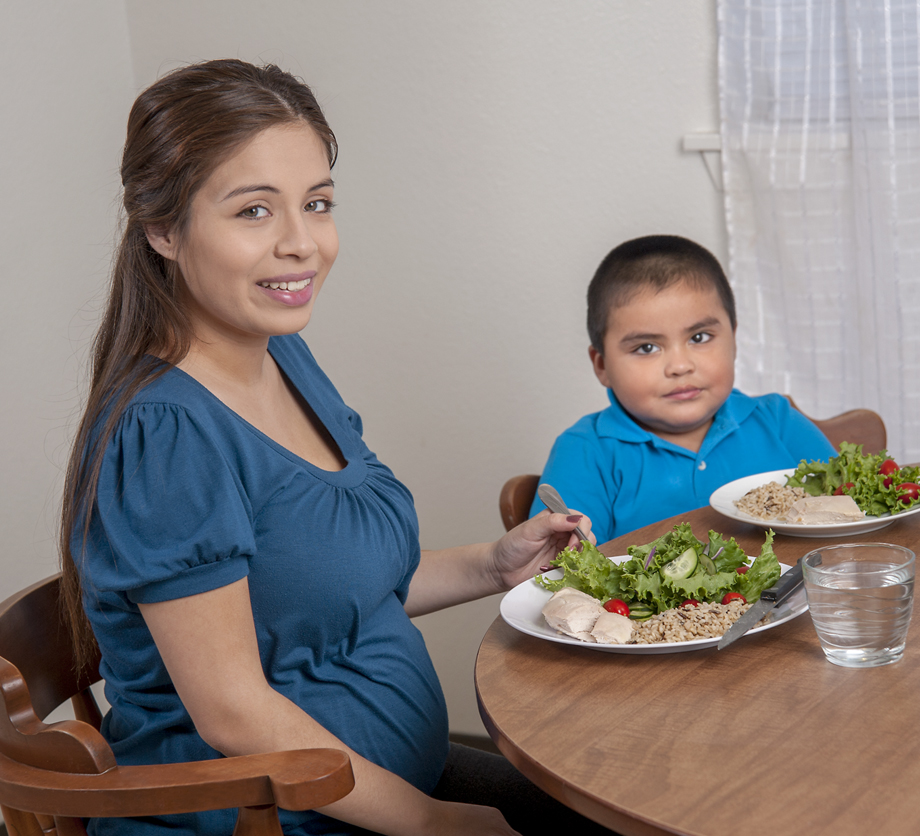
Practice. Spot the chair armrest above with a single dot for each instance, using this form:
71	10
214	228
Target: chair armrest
293	780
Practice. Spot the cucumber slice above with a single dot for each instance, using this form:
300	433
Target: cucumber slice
640	612
682	566
708	565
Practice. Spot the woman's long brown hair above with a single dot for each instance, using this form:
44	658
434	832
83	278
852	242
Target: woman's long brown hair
179	130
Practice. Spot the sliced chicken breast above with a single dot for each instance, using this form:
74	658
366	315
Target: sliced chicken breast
573	612
612	628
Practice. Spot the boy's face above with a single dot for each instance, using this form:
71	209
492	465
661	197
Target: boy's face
669	357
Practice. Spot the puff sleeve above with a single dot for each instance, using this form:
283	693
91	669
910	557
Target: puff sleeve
172	517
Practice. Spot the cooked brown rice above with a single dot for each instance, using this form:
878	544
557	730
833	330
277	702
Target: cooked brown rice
770	501
706	621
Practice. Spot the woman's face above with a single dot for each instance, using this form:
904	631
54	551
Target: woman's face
260	239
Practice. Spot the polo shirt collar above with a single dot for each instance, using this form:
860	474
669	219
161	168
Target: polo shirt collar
616	422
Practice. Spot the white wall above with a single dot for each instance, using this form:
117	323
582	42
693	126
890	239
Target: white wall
65	87
491	154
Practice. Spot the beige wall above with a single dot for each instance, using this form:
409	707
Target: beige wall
65	86
491	154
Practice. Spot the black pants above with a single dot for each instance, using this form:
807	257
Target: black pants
472	776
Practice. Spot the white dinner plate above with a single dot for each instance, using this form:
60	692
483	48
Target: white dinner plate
723	501
522	609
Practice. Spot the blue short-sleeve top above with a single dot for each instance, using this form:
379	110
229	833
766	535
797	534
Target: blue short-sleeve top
192	498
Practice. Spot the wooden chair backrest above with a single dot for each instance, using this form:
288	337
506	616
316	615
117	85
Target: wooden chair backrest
52	776
35	648
516	498
857	426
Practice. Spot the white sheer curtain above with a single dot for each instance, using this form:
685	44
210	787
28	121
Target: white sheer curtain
820	105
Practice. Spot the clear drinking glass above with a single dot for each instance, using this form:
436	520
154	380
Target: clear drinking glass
860	596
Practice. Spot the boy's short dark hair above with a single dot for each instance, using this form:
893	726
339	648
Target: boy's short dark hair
657	262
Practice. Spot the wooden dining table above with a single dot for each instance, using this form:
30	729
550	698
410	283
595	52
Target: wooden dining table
763	737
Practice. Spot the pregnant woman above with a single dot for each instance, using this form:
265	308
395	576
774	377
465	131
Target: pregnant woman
246	564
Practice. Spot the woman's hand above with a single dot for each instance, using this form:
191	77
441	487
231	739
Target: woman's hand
453	576
528	548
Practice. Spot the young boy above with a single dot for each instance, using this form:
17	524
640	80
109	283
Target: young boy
661	318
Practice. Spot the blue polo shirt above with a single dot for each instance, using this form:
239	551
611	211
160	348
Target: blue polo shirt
625	477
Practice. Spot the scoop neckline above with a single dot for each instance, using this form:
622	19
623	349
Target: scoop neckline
355	467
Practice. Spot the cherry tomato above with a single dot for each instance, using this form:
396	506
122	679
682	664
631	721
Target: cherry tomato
908	491
742	570
843	489
689	602
728	597
615	605
887	468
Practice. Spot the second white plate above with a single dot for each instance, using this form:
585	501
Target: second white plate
723	501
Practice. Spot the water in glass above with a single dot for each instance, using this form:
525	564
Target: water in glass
861	611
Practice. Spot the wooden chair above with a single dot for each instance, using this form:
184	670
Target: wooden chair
516	498
858	426
52	775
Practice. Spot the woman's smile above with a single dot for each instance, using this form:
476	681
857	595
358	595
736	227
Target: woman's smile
290	289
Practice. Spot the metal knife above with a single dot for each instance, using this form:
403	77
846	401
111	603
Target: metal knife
769	598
